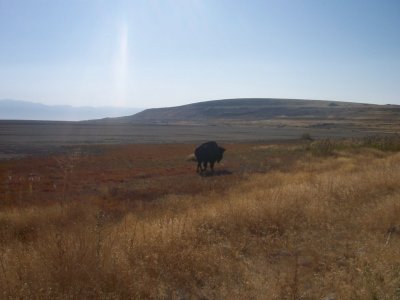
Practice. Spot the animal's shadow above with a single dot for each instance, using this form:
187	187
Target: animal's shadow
209	173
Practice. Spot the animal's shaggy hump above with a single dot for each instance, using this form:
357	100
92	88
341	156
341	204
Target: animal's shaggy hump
206	153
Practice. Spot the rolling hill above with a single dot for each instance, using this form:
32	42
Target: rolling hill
257	111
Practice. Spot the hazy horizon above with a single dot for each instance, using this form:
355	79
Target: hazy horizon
66	104
12	109
166	53
187	103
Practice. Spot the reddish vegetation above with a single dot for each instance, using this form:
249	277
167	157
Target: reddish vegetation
313	220
122	172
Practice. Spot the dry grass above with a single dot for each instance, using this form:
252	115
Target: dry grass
316	229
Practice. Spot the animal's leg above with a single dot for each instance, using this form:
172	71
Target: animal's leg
212	166
205	165
199	167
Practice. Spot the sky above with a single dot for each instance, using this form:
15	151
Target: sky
157	53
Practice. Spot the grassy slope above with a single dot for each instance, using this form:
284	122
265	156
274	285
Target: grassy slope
265	109
309	227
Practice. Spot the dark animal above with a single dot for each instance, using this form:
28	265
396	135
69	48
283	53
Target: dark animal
206	153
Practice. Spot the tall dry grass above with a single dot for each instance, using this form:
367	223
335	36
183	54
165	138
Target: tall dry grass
320	230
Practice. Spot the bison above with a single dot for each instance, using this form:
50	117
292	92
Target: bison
206	153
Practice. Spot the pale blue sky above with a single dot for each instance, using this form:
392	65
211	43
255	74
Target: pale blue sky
154	53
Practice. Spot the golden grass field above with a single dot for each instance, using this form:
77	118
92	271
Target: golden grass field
277	221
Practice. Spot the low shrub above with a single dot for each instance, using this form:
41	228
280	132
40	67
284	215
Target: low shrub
383	143
324	147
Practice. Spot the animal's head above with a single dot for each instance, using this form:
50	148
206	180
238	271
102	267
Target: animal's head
191	157
220	153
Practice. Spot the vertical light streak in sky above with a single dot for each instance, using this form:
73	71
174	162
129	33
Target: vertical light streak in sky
121	68
169	52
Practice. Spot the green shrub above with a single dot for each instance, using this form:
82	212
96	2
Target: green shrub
323	147
306	136
383	143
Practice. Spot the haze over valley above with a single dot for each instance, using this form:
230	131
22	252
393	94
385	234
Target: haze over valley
25	110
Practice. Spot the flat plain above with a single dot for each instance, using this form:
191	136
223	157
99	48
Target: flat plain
20	138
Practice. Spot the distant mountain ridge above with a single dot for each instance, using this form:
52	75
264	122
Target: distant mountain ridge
24	110
259	109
